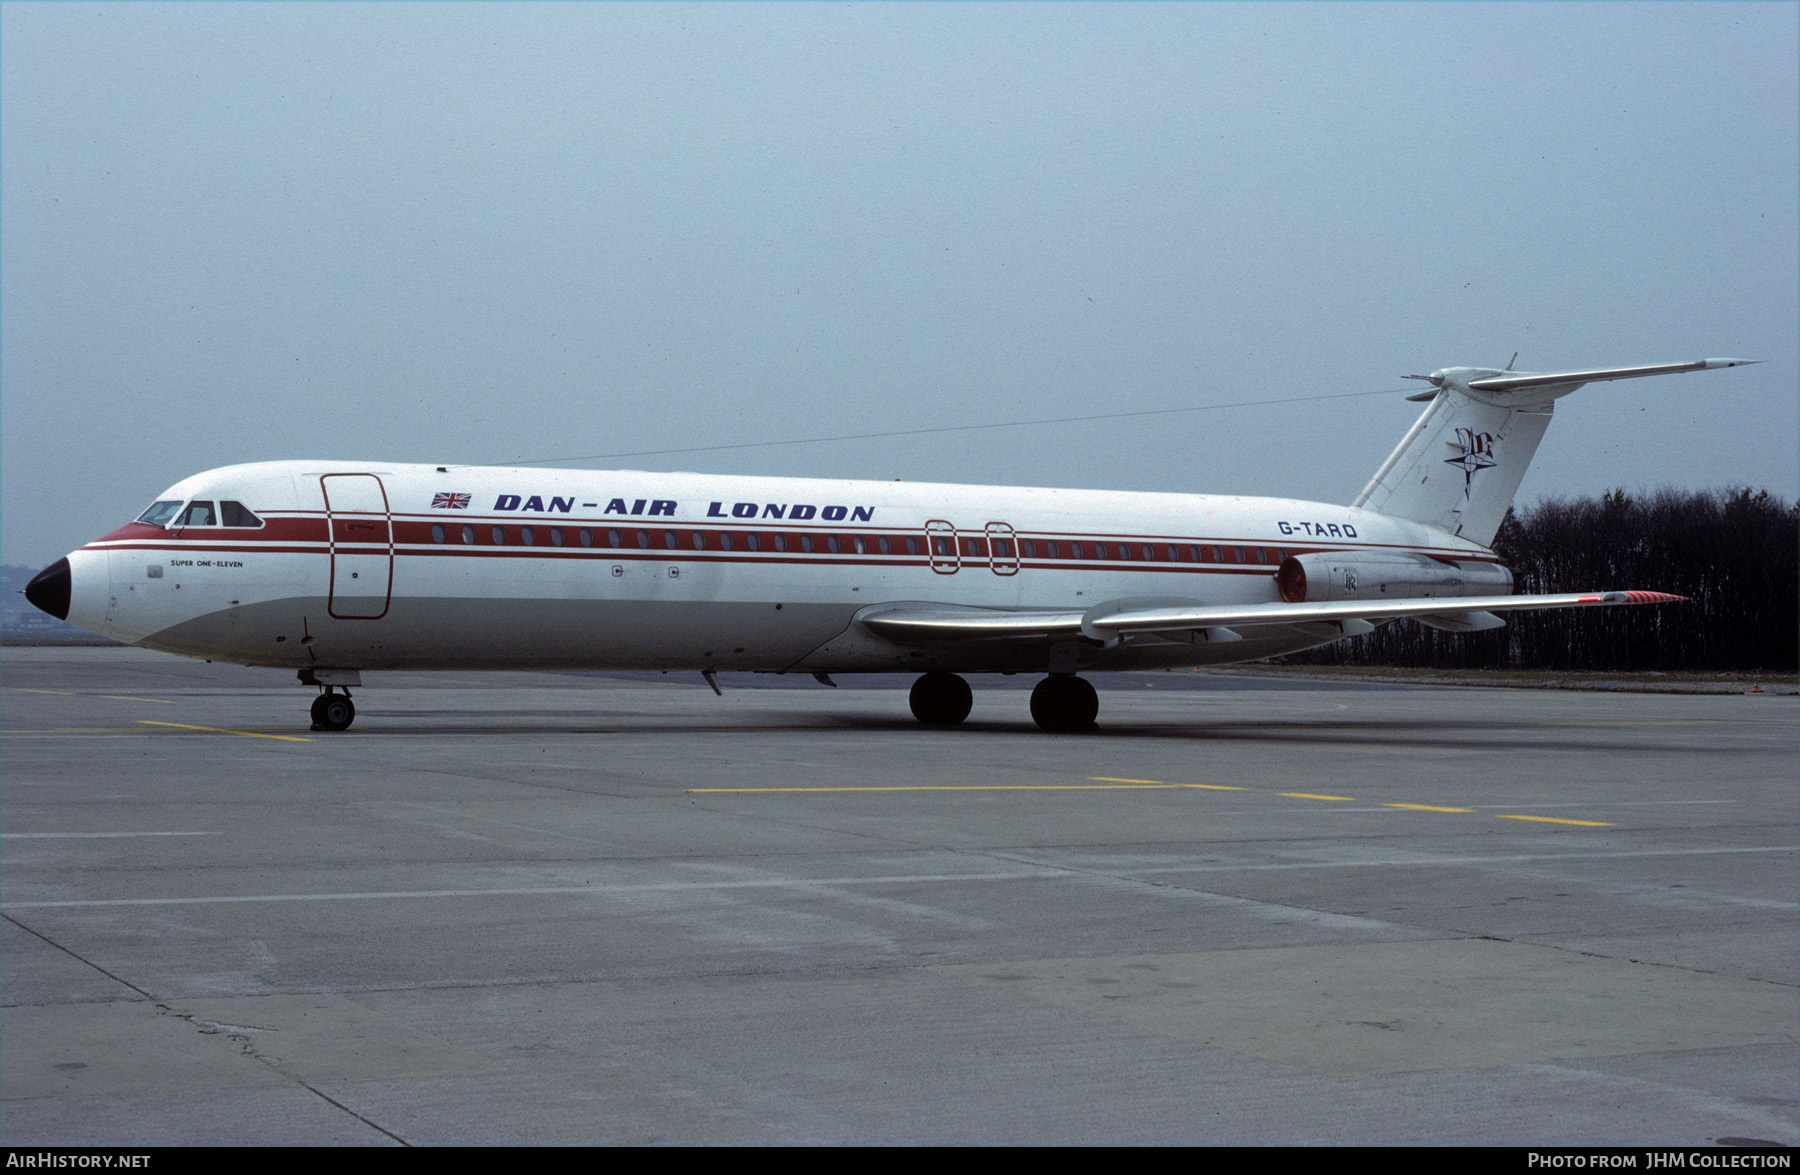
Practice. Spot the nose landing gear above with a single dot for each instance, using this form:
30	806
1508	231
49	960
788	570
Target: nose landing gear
1063	703
333	710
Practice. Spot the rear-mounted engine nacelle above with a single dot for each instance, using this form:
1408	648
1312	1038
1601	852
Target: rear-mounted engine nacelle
1325	576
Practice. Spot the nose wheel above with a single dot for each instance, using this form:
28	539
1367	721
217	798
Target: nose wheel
1063	704
333	710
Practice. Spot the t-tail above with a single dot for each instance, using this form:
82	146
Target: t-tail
1460	464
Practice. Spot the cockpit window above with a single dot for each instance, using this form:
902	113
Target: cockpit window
160	512
198	514
234	514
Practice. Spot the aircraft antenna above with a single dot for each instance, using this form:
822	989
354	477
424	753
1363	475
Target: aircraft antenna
914	432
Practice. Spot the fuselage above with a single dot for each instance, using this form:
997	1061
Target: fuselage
318	564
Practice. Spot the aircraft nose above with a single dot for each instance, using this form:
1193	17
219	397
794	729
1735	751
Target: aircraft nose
49	589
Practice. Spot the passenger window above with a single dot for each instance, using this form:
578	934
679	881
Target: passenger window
1029	547
671	540
1262	556
752	541
1003	548
528	536
613	539
724	540
160	512
1239	552
1218	554
699	540
912	545
437	532
1198	553
643	540
781	542
1050	547
556	536
831	543
806	543
887	548
1075	550
1281	554
499	536
469	535
587	537
234	514
862	548
198	514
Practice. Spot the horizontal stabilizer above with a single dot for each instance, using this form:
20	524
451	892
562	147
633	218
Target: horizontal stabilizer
1508	382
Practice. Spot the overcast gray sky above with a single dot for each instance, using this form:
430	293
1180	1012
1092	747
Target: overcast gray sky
489	232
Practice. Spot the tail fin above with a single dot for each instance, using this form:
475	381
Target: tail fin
1460	464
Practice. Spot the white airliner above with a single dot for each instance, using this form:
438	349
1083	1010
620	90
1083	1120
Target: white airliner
336	567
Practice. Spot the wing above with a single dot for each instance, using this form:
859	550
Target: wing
924	623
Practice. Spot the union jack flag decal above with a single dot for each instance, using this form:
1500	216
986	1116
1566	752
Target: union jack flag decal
450	502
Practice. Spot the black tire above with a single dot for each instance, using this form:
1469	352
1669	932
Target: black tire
941	699
1064	704
333	712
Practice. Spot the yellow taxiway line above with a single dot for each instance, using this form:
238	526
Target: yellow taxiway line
292	738
1116	783
956	787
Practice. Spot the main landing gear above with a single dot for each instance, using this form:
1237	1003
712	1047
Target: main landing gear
333	709
941	699
1064	703
1060	703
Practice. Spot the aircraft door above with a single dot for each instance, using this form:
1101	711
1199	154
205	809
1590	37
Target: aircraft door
362	546
940	543
1003	549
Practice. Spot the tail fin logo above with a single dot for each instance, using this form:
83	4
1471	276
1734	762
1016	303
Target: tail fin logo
1477	454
